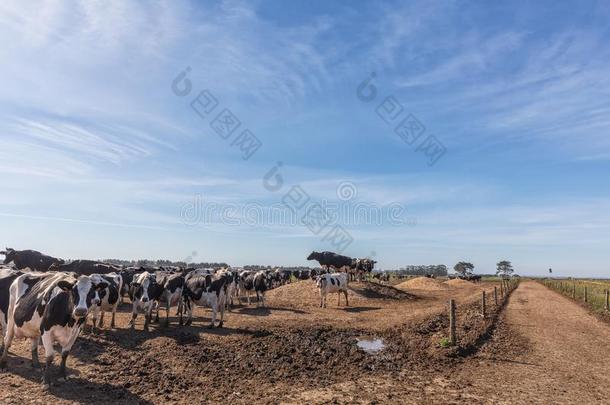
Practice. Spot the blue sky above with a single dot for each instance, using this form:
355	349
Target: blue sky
101	159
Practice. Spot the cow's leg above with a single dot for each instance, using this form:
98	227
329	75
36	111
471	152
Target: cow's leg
134	315
222	313
100	324
346	301
62	366
339	298
8	340
35	362
180	311
49	353
148	315
214	310
189	316
321	298
65	351
248	294
167	313
112	324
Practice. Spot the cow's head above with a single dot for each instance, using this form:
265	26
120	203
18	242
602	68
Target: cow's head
320	281
85	293
55	266
9	255
141	288
312	255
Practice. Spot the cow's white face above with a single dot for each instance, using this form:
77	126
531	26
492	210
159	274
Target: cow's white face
319	281
84	295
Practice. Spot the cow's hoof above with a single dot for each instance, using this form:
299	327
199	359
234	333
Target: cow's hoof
112	326
211	326
2	365
220	324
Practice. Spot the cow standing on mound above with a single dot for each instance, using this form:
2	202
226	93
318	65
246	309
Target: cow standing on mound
329	260
85	267
51	307
331	283
31	259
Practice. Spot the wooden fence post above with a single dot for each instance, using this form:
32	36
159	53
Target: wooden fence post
501	290
607	300
586	297
496	295
483	304
452	337
574	291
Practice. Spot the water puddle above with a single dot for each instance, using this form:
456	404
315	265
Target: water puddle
371	346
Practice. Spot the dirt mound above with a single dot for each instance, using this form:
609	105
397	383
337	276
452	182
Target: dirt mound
380	291
422	283
457	282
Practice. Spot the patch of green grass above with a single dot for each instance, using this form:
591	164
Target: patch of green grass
444	342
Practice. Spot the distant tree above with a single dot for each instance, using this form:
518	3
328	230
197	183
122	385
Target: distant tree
464	268
504	268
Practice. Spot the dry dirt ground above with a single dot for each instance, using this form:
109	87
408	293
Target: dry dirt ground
295	352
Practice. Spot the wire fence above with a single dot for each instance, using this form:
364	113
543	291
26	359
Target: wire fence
595	294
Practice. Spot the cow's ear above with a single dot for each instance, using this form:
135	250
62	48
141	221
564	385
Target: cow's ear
101	286
65	285
3	253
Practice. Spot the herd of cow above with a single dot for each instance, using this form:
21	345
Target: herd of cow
47	300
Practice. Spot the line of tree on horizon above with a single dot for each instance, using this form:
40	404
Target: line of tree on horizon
437	270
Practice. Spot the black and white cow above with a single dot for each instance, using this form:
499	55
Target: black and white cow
85	267
144	293
7	276
246	284
206	291
31	259
51	307
330	260
109	297
127	276
331	283
261	285
232	277
360	267
172	285
285	277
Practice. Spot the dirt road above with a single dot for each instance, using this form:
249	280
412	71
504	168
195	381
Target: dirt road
566	358
545	350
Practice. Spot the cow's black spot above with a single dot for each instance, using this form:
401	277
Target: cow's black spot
5	285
